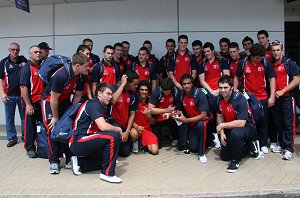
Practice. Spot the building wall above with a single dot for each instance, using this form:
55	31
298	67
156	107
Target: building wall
64	26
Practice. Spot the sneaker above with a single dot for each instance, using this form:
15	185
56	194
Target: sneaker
272	145
68	165
254	149
264	149
202	159
186	152
174	142
233	166
75	167
135	146
11	143
111	179
31	154
287	155
54	168
217	141
276	149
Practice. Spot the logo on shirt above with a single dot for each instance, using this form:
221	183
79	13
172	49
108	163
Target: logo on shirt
10	66
248	70
171	99
146	73
35	73
105	73
228	109
215	66
259	69
280	68
120	99
186	59
128	99
192	103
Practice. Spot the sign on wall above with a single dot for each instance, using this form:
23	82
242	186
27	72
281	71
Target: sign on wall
23	5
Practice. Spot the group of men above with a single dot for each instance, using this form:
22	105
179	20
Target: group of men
127	101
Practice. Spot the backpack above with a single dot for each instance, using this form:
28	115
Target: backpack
63	129
51	64
42	141
254	104
244	61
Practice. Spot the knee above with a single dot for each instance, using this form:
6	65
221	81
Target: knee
134	135
236	134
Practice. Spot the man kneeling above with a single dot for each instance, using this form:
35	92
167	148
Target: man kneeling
235	125
94	139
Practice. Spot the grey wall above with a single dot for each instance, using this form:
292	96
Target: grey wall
64	26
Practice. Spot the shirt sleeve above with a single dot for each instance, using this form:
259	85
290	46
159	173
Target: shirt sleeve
239	71
270	72
96	73
200	69
154	96
193	63
94	110
25	73
241	108
80	84
58	82
171	66
2	65
225	65
202	101
293	69
133	102
153	74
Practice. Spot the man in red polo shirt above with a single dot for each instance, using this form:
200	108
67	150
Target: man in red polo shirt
123	108
144	69
118	58
263	39
151	57
181	63
128	59
197	57
288	77
235	58
31	87
259	79
106	70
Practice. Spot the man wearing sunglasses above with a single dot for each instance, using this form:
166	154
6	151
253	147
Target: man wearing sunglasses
10	90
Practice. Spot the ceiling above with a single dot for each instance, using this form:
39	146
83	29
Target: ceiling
10	3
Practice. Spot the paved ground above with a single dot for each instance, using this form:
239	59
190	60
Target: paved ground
168	174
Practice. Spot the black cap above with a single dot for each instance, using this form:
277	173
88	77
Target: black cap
44	45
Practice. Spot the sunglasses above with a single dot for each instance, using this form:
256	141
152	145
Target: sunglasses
276	42
17	50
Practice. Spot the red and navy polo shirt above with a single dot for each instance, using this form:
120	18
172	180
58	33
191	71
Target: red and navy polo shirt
30	78
140	118
233	66
120	111
144	72
240	112
160	100
110	73
255	77
10	73
213	71
84	123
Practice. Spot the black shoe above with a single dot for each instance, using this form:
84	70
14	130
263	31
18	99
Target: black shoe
254	149
12	143
31	154
233	166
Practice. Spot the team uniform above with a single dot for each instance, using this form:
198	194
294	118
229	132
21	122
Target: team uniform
213	71
96	149
181	64
153	61
62	81
236	137
10	73
284	109
268	54
110	73
147	136
233	64
197	63
128	60
255	81
121	65
159	100
119	115
147	72
163	64
35	86
192	136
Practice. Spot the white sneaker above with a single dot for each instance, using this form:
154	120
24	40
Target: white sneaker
277	149
174	142
111	179
272	145
287	155
68	165
264	149
75	167
135	146
217	141
203	159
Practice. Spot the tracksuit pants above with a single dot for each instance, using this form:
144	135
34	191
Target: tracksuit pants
56	149
97	151
262	126
284	116
193	137
30	131
157	129
236	139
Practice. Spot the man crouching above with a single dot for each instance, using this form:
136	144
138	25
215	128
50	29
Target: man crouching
94	139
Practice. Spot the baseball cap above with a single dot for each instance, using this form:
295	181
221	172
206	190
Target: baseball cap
44	45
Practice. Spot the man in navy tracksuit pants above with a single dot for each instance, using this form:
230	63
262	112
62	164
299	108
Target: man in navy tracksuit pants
94	138
288	77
